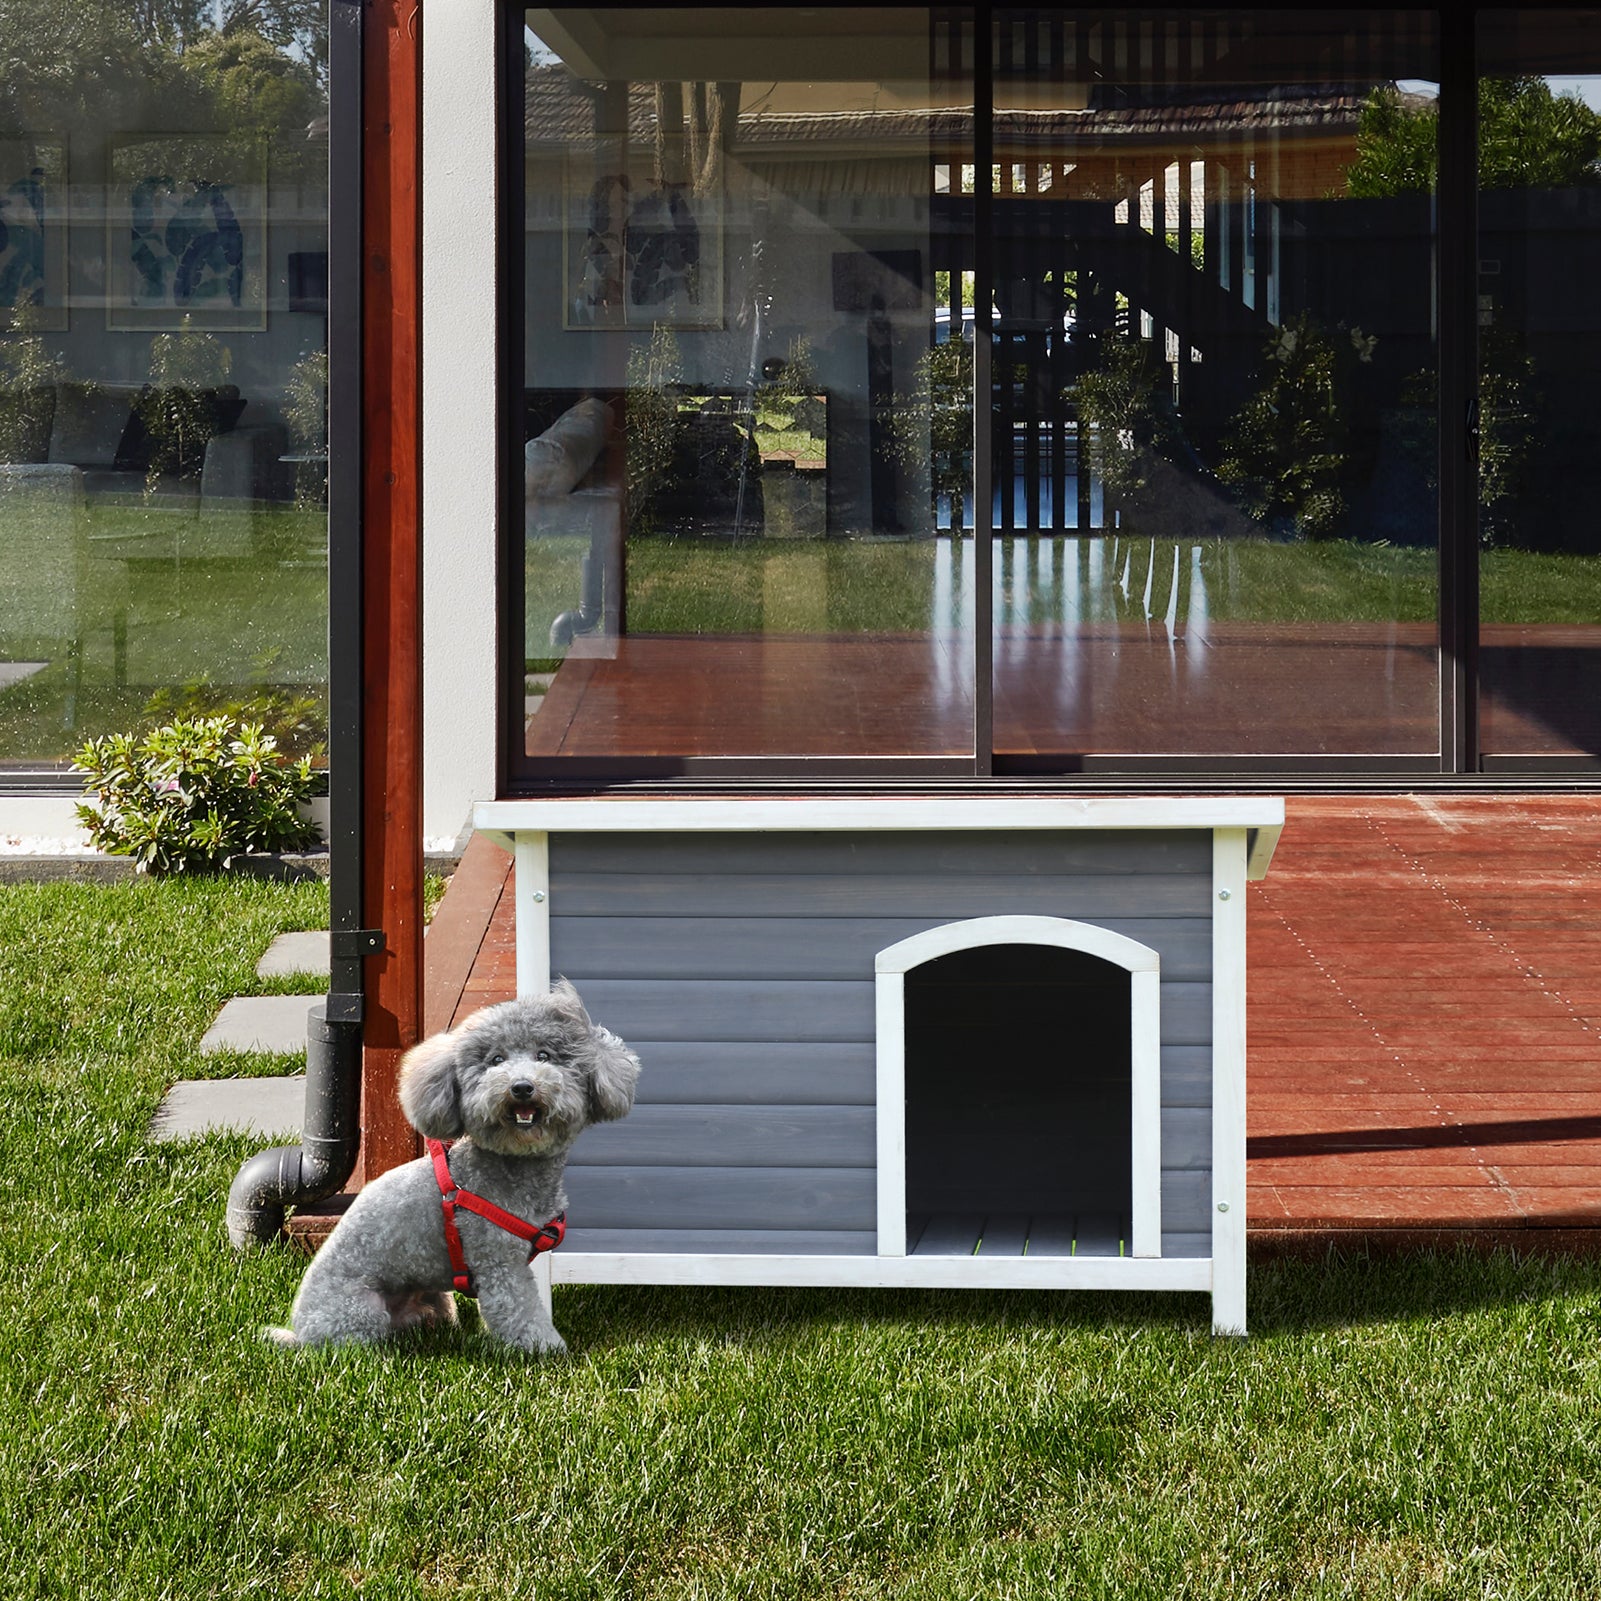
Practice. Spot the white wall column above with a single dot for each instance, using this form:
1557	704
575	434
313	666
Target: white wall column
459	491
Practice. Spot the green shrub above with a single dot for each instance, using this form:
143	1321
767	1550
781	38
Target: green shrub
192	795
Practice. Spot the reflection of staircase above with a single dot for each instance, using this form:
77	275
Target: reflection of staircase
1068	272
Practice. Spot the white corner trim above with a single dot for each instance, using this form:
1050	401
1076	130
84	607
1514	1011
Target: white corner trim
1228	1080
1145	1056
531	904
1261	843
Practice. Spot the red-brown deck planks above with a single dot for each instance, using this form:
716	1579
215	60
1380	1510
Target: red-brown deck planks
1424	1017
1425	1023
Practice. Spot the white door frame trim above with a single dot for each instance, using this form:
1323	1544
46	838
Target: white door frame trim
1143	966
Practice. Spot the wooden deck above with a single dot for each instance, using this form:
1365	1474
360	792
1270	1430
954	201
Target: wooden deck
1424	1016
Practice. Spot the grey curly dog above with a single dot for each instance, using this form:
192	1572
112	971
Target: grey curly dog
514	1085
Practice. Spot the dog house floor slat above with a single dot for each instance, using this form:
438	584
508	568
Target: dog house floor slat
956	1235
1051	1235
1004	1235
1098	1234
1014	1234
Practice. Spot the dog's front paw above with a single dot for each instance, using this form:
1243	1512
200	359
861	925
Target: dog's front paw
547	1346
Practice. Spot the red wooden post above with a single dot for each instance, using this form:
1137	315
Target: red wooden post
392	568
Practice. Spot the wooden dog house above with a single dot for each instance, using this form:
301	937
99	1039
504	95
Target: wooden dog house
911	1042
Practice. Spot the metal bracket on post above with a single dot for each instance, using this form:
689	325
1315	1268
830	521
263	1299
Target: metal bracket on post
351	944
347	947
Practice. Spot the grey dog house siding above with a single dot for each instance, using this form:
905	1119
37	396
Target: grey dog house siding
741	968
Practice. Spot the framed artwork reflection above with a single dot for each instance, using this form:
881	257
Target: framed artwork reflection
638	253
33	233
186	232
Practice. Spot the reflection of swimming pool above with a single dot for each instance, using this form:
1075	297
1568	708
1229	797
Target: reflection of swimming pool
1039	438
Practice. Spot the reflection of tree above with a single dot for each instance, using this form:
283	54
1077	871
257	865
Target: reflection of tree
306	415
1126	408
1286	452
1508	410
92	67
28	374
183	404
934	423
1508	435
655	375
1528	138
692	134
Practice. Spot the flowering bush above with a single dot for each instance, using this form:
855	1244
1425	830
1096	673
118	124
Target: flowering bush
192	795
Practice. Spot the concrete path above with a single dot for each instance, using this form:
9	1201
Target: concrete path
269	1107
266	1023
258	1024
295	953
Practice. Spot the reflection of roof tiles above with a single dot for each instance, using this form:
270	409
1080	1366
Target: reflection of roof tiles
560	109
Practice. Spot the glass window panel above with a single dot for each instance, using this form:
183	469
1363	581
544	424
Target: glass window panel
1215	374
1539	357
747	383
163	362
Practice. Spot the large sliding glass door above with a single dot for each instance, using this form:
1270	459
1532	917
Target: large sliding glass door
1213	409
1032	390
747	429
1539	353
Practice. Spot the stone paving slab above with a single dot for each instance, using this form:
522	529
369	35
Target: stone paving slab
305	952
273	1023
265	1106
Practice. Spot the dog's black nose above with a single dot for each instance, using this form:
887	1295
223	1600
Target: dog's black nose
522	1090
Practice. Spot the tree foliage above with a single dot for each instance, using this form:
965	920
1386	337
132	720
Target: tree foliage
1528	138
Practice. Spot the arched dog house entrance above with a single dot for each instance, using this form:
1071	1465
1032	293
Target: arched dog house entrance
1019	1091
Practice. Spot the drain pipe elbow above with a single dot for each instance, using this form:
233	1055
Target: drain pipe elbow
296	1175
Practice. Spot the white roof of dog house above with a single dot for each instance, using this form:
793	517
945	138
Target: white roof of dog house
1261	816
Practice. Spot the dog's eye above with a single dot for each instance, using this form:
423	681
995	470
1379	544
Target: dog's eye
497	1058
543	1056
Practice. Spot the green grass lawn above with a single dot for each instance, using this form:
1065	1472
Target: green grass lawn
1428	1427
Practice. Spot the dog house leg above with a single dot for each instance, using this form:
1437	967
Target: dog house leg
540	1268
1228	1081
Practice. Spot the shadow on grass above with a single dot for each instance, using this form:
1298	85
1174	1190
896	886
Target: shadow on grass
1341	1289
1290	1301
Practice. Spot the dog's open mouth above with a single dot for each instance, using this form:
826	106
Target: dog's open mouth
527	1117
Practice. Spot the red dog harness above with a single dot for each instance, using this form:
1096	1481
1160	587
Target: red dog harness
540	1236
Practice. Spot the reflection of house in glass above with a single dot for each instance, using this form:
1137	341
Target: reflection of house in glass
1207	256
1209	368
163	367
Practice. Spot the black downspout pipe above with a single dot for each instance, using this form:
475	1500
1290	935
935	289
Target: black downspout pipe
297	1175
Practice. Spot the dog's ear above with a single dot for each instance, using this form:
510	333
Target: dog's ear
564	1003
429	1095
613	1072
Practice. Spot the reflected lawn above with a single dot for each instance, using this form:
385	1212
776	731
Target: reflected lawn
246	621
845	585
